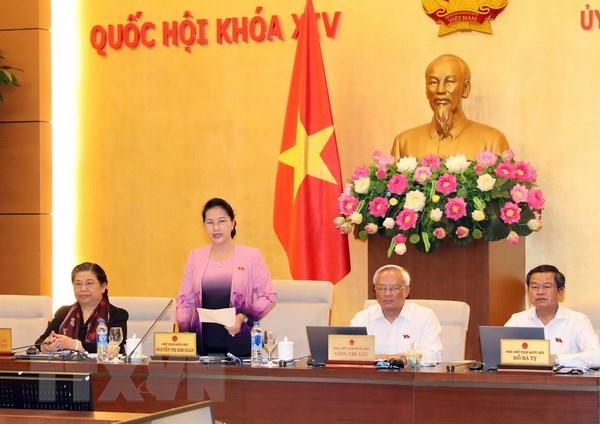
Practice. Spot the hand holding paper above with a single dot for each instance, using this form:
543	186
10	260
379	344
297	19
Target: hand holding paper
225	316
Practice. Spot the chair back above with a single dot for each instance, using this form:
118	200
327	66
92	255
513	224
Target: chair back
591	310
454	319
26	316
299	303
143	311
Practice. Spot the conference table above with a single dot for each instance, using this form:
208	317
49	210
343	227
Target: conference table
304	394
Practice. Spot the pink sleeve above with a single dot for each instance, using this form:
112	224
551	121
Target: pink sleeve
186	300
262	285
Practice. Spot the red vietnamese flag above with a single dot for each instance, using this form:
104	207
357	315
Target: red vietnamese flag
308	174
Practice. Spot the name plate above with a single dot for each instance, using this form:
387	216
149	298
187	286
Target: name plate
5	341
175	344
524	352
343	347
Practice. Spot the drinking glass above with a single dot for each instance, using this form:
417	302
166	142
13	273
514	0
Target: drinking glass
115	335
115	338
270	343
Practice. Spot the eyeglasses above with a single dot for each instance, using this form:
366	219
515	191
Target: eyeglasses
393	289
219	223
78	285
543	287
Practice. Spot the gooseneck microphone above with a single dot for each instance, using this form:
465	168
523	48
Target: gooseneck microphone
127	359
29	346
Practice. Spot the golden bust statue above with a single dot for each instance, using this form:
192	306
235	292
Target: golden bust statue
447	82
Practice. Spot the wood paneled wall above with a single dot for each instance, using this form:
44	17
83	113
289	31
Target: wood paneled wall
26	150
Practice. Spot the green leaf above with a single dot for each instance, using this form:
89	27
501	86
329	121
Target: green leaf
414	238
425	238
477	233
363	235
521	230
391	248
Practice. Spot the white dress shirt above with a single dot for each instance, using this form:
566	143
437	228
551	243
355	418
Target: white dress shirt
415	324
572	337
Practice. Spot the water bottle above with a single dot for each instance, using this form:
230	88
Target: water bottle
102	341
256	344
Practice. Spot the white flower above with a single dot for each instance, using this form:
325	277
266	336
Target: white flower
415	200
400	249
407	163
355	218
485	182
362	185
457	164
534	224
346	228
371	228
389	223
477	215
339	221
436	214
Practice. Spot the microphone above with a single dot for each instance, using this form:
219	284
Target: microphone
234	358
473	365
37	346
127	359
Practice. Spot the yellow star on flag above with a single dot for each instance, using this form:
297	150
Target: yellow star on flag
305	155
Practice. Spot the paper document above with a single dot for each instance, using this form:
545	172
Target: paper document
225	316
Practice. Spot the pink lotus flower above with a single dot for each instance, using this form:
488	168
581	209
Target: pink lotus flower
360	172
510	213
346	228
535	199
422	174
439	233
524	172
479	169
462	232
513	238
399	239
348	189
519	193
446	184
378	206
381	173
347	204
383	160
486	158
397	184
371	228
407	218
431	161
508	154
456	208
505	170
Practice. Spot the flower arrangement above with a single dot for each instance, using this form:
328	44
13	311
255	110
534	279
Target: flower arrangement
424	202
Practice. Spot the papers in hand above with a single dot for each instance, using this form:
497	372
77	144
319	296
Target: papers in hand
225	316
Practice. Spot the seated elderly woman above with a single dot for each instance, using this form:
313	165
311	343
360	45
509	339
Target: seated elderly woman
74	327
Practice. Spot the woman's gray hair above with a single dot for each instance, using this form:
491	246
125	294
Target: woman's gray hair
405	274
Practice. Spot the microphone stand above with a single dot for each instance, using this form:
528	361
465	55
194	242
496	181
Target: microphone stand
127	359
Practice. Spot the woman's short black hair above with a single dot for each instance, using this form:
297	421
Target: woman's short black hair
93	268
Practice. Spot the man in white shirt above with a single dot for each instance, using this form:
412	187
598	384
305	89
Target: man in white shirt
573	342
398	325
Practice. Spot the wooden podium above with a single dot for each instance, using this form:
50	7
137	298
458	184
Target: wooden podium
490	277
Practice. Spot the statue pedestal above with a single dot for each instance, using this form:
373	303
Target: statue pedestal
490	277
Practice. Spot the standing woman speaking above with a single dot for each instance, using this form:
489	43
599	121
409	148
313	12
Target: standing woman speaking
224	274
